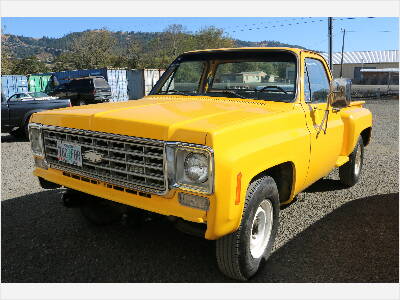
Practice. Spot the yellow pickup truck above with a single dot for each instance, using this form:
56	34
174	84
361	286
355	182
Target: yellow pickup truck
225	138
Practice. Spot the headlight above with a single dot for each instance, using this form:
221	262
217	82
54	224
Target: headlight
35	137
190	167
196	167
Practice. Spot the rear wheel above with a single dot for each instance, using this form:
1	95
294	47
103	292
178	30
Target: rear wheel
240	253
350	172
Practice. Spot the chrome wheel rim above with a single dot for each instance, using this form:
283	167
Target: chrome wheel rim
261	228
357	162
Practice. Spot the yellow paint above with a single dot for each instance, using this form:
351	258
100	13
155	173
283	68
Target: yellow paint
247	136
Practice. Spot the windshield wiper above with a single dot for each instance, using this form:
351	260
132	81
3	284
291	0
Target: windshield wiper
233	93
177	92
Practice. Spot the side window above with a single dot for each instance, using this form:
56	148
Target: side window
316	82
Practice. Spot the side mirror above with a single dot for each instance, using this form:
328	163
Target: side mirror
340	91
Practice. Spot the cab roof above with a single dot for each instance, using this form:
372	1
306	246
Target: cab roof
295	50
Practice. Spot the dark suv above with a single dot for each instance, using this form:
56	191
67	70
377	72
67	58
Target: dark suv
85	90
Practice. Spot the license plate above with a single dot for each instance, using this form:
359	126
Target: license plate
69	153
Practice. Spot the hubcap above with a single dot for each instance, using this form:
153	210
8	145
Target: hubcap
261	228
357	162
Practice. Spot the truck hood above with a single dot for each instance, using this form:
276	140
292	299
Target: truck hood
168	118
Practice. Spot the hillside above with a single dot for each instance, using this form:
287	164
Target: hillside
46	49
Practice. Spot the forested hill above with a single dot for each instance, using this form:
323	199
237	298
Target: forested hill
22	46
103	48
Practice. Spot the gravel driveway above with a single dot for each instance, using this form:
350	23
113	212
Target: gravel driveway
329	234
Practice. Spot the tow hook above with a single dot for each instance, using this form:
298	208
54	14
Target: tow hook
71	198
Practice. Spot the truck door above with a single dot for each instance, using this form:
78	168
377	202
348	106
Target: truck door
325	125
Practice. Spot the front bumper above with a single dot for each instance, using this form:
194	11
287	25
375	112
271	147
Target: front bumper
166	205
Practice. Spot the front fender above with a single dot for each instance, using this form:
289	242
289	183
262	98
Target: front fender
250	158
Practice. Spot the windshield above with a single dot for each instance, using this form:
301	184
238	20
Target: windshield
100	83
262	75
38	94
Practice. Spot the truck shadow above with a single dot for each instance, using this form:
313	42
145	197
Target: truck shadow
325	185
358	242
44	242
12	139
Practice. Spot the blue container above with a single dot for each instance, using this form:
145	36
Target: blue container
13	84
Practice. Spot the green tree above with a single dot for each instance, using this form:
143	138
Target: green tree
29	65
6	61
93	49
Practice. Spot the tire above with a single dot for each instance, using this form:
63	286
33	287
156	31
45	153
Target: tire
237	258
350	172
100	211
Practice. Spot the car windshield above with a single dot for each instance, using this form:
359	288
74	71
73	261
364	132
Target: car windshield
260	75
100	83
38	94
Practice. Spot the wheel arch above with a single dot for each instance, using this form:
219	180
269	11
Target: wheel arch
366	135
284	177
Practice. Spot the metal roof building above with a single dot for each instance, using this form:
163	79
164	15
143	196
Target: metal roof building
366	57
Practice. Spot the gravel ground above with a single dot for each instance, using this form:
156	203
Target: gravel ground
329	234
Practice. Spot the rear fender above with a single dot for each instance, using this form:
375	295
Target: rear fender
355	119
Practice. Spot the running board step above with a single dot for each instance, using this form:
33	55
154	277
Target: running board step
341	160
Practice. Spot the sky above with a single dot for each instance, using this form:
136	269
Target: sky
361	33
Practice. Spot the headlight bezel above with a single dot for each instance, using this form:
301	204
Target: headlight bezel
176	155
39	150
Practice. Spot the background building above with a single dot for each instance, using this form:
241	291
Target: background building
359	66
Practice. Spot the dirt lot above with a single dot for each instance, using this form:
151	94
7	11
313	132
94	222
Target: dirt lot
329	234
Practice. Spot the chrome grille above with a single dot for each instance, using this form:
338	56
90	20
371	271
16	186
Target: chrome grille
126	161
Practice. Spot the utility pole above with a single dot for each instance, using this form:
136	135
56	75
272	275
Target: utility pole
330	42
341	61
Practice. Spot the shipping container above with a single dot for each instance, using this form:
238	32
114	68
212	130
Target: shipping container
125	84
39	83
141	81
13	84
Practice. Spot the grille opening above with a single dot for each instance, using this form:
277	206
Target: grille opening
131	191
101	143
154	172
85	140
75	176
144	195
154	161
154	181
73	138
85	179
136	169
154	151
135	148
135	158
117	145
94	181
116	165
66	174
117	155
118	188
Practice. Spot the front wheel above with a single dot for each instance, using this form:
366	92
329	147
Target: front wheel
240	253
350	172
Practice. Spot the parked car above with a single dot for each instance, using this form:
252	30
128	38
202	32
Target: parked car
28	96
16	110
210	147
85	90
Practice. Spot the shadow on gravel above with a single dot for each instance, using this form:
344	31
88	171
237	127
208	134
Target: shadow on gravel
325	185
358	242
12	139
44	242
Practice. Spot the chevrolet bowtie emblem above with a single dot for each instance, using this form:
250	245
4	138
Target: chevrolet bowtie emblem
93	156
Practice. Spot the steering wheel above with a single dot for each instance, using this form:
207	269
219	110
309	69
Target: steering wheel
272	87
